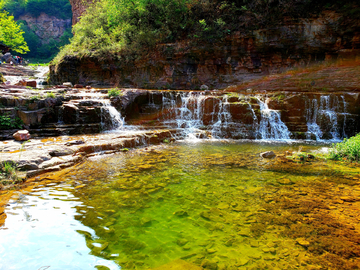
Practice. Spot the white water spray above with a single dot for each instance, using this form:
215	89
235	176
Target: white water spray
271	127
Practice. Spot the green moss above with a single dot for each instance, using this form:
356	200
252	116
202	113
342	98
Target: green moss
2	79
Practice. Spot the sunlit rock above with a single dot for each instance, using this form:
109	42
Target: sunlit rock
22	135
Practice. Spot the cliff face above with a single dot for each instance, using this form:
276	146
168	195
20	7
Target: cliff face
78	7
46	27
240	57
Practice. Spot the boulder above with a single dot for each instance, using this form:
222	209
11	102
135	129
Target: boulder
7	57
22	135
268	154
32	117
31	83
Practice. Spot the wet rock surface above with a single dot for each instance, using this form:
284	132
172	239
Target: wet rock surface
37	156
307	113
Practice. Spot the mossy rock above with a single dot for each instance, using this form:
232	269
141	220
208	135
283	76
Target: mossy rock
2	79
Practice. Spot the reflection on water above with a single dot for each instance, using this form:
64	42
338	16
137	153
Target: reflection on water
215	206
41	232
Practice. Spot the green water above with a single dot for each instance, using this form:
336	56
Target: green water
215	205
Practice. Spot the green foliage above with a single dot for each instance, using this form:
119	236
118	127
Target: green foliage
8	168
43	51
131	28
9	174
50	95
34	98
348	149
6	122
57	8
8	171
11	34
114	92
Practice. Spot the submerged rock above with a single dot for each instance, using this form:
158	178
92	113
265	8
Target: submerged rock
285	181
206	264
302	242
268	154
181	213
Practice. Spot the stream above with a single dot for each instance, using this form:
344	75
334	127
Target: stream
211	204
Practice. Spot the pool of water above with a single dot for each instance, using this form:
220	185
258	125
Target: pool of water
213	205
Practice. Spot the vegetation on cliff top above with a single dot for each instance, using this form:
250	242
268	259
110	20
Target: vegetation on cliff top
113	26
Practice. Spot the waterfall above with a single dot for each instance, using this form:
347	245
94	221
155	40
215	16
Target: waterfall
200	115
311	118
271	127
110	117
323	120
189	116
116	120
222	119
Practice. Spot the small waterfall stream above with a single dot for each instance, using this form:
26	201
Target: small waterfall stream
271	127
323	118
117	121
111	119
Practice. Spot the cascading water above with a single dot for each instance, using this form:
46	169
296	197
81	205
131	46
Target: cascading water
323	115
223	118
117	121
199	115
41	75
237	116
271	127
189	115
110	117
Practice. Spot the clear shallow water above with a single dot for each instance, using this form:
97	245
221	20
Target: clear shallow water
215	205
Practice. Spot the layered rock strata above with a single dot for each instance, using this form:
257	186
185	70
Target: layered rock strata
40	156
78	8
308	115
240	57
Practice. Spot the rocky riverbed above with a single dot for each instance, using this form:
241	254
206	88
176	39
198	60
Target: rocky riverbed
38	156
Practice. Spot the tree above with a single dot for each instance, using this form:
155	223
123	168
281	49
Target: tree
11	34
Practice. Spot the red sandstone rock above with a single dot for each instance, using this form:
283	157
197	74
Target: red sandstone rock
31	83
21	83
22	135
